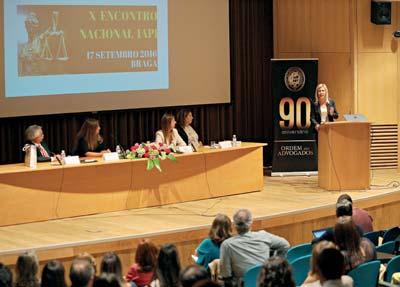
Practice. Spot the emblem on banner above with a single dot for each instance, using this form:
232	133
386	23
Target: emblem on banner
295	79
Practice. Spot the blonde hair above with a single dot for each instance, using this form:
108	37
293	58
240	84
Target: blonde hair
321	85
166	127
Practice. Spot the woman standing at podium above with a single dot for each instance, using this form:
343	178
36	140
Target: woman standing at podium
89	141
324	107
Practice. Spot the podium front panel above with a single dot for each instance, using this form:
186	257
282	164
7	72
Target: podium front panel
344	156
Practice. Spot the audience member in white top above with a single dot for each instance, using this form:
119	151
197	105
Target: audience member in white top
313	278
168	134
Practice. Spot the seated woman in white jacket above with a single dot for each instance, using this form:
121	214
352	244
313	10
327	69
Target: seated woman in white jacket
168	134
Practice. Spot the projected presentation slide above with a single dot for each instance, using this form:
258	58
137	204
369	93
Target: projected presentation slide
54	47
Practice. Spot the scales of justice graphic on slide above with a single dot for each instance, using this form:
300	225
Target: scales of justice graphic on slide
43	46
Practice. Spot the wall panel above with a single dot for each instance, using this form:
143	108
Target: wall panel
336	70
375	38
359	60
293	25
330	26
377	86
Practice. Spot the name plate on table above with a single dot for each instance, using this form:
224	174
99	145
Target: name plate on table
225	144
185	149
110	156
70	160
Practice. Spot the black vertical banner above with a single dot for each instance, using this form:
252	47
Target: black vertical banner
293	87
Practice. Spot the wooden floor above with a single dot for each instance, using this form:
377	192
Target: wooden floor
280	207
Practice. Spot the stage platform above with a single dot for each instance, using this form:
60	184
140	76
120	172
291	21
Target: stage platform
291	207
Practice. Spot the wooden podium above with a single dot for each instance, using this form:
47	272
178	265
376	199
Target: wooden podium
344	156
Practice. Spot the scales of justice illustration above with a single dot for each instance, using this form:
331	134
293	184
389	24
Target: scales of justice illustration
39	43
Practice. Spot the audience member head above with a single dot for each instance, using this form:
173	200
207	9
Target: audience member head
221	228
168	266
90	132
90	258
193	274
347	237
276	273
321	94
111	264
6	277
34	134
207	283
344	208
26	269
146	256
107	280
53	274
345	196
81	273
242	220
330	264
184	117
317	249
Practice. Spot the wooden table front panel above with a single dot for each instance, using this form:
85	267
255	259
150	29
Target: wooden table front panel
29	196
51	192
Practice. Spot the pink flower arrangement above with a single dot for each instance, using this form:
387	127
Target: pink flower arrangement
153	152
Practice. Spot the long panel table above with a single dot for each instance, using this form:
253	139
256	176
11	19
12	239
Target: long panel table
52	191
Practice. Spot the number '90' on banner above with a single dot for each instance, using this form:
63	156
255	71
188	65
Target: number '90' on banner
293	88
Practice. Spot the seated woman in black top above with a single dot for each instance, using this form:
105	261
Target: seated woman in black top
185	130
88	141
34	135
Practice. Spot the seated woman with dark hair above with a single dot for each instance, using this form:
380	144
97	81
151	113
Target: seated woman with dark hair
53	274
208	250
185	130
107	280
34	135
111	264
276	273
142	271
355	249
168	267
88	142
313	278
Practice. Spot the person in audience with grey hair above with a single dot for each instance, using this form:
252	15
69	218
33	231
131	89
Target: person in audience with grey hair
81	273
34	135
247	248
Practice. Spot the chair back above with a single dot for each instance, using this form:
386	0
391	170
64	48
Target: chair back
392	267
391	235
387	247
298	251
300	268
366	274
373	236
251	276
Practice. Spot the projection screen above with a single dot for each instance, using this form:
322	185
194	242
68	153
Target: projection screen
64	56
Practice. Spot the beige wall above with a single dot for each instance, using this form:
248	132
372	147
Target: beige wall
359	61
